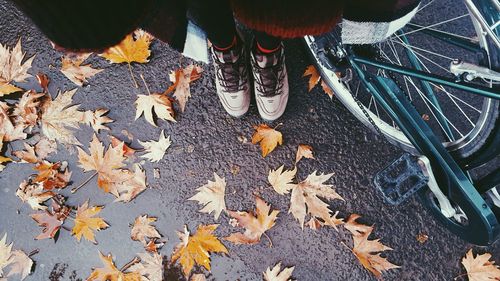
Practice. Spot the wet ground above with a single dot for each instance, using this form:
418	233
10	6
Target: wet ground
205	140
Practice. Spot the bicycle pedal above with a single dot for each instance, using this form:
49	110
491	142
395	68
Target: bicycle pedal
400	179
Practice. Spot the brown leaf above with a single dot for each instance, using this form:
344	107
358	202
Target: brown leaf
422	238
73	69
12	68
27	155
268	137
44	81
50	221
314	76
34	194
127	150
142	229
480	268
45	147
304	150
255	225
52	175
357	229
326	89
9	130
182	79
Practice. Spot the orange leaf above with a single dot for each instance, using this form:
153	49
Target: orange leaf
268	137
314	76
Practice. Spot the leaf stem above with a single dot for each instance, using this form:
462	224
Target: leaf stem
34	252
145	84
268	238
83	183
130	263
132	76
279	124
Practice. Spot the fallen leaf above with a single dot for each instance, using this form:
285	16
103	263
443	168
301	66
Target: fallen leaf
34	194
96	119
155	150
356	228
142	229
9	130
38	153
314	76
480	268
198	277
5	253
159	104
73	69
50	222
305	199
196	249
27	155
211	196
422	238
255	226
106	164
282	181
3	159
368	254
110	273
52	175
150	267
130	49
276	274
44	81
182	79
314	224
12	68
86	223
44	147
20	264
153	245
268	137
127	150
134	184
304	150
25	112
327	89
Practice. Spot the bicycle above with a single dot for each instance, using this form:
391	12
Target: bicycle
434	91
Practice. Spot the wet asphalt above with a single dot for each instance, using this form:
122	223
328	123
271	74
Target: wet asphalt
205	140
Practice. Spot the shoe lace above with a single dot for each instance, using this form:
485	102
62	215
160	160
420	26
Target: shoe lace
232	76
269	80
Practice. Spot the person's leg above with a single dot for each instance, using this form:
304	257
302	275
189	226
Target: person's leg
270	76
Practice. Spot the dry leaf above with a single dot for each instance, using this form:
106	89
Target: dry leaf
211	196
12	68
314	224
150	267
106	164
182	79
159	104
3	159
480	268
51	221
34	194
142	229
44	81
254	226
52	175
127	150
304	150
198	277
134	184
307	193
314	76
27	155
130	50
86	223
110	273
368	254
276	274
155	150
196	249
25	112
326	89
9	131
96	119
44	147
282	181
356	228
268	137
5	252
73	69
20	264
422	238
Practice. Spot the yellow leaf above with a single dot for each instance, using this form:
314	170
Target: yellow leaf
130	50
86	223
254	226
480	268
355	227
304	150
282	181
6	88
73	69
110	273
196	249
142	229
276	274
314	76
268	137
211	196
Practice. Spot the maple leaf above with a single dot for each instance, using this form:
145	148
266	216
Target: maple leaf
356	228
198	277
5	253
282	181
155	150
110	273
304	150
19	263
150	267
276	274
73	69
255	226
326	89
182	79
60	118
368	254
34	194
133	185
3	159
38	153
160	104
142	229
12	68
52	175
127	151
307	193
25	112
44	147
96	119
106	164
196	249
27	155
86	223
44	81
50	221
268	137
211	196
480	268
9	130
314	76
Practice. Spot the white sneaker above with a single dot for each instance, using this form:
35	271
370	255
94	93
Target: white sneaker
270	83
232	79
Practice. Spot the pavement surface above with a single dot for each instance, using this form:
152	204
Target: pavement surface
205	140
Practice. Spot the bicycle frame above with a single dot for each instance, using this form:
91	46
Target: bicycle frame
451	176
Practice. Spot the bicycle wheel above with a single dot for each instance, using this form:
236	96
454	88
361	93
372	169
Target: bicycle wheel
463	121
